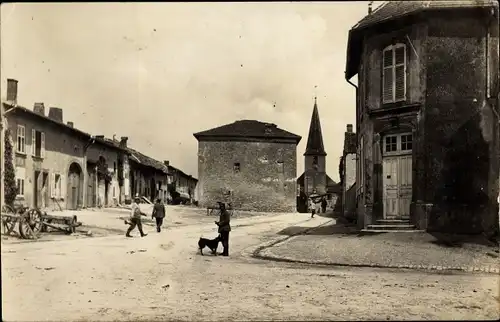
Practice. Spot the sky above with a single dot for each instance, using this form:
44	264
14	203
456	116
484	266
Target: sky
159	72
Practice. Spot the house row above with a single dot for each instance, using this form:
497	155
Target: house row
426	147
58	166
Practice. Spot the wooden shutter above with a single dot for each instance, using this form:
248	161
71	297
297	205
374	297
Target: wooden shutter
388	76
53	187
42	145
399	73
33	141
62	181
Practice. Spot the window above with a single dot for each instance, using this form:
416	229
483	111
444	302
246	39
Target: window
394	73
236	167
406	142
56	185
114	195
398	144
391	143
20	187
21	139
38	144
114	167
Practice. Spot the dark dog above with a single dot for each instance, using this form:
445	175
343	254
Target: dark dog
210	243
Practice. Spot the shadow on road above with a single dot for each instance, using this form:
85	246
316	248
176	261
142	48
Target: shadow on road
332	229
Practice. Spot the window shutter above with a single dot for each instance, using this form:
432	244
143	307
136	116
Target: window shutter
62	182
33	141
42	145
400	81
388	84
53	187
400	55
388	58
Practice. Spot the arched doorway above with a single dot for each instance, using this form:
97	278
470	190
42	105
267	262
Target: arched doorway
75	183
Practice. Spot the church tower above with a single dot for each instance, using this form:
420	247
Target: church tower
315	157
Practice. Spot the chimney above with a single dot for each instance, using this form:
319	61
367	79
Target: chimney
100	137
56	114
370	10
123	142
70	124
12	91
349	128
167	163
39	108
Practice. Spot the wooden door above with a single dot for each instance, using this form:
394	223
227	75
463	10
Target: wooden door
391	187
405	185
73	190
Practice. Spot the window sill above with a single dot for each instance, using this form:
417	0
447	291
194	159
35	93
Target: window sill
38	157
20	197
22	154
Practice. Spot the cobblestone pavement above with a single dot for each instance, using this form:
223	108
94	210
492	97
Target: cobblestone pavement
163	277
330	245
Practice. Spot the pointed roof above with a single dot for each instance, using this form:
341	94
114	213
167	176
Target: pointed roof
315	139
248	130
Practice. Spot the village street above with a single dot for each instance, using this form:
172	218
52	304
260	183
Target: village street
163	277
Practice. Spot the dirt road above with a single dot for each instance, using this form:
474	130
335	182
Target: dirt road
163	277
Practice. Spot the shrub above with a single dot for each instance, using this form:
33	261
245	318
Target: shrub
10	188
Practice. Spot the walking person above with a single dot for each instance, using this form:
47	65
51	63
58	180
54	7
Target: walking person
158	214
323	205
135	218
314	203
224	228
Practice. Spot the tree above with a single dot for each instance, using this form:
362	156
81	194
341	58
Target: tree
9	172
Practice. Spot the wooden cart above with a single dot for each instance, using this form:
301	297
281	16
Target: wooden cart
31	222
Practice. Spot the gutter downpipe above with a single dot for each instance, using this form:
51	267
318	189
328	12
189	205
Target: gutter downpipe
85	172
357	123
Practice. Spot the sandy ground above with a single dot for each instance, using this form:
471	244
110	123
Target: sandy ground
163	277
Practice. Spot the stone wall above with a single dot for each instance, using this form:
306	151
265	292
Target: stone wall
461	128
265	182
62	148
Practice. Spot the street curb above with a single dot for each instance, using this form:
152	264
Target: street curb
258	250
257	253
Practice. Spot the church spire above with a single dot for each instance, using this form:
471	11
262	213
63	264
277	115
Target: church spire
315	139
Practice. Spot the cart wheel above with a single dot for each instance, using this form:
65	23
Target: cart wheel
30	224
8	222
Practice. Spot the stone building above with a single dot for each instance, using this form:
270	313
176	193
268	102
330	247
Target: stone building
251	164
50	156
148	177
347	172
314	178
106	171
182	187
427	114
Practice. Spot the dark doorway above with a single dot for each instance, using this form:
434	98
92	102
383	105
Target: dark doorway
45	190
153	189
36	190
74	186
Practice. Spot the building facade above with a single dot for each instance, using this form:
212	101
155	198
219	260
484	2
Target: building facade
182	187
250	164
105	172
148	177
427	114
347	172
